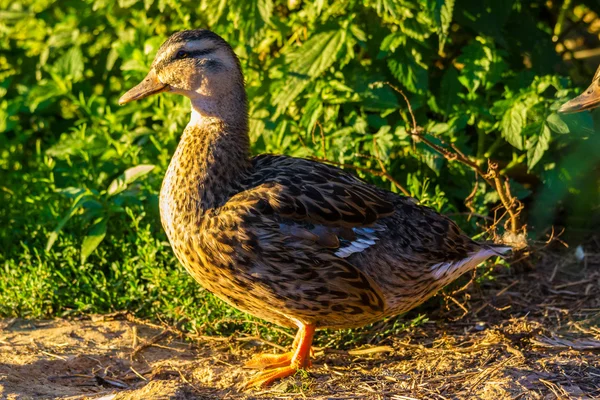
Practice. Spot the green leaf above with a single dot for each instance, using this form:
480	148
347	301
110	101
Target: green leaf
538	146
512	124
392	9
126	3
416	29
71	64
379	98
93	238
129	176
442	11
555	123
412	75
449	89
308	62
392	41
77	204
482	64
46	90
265	9
312	112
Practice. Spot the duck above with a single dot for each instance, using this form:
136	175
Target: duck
293	241
587	100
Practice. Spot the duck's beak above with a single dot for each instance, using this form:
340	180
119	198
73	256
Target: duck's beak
149	86
585	101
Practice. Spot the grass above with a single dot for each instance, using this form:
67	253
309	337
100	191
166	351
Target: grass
62	135
528	334
140	274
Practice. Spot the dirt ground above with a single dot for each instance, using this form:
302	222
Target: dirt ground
533	333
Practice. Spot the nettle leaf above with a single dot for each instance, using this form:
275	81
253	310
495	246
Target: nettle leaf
213	10
358	33
94	237
384	140
512	124
46	90
265	9
71	64
78	202
126	178
308	62
392	41
483	64
416	28
312	112
449	89
555	123
250	16
379	98
405	68
442	13
390	9
537	145
433	160
126	3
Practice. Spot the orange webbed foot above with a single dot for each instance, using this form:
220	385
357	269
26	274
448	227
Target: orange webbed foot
265	361
267	377
278	366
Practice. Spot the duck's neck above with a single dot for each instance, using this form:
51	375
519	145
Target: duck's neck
210	161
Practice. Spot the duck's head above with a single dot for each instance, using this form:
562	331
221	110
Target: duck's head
585	101
198	64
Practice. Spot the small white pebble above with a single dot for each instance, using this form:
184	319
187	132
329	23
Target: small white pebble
579	253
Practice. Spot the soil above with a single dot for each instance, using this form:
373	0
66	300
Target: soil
531	333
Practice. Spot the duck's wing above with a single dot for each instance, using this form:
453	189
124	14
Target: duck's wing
338	211
318	194
288	221
303	222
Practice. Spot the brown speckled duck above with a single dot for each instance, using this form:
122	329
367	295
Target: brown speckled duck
293	241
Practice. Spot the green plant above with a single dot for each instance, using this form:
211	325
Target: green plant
483	78
98	207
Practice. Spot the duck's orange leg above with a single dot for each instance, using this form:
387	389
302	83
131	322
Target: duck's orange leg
265	360
283	365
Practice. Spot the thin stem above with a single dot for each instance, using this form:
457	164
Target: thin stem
492	177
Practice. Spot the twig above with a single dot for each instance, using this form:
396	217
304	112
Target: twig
488	372
259	339
53	355
462	307
509	202
360	352
150	342
369	170
384	170
134	340
137	373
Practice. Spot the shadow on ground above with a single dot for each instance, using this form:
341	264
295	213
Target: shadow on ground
528	334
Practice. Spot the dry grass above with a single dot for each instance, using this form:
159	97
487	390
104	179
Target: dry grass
530	334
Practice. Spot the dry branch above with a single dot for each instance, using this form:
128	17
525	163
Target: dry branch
452	153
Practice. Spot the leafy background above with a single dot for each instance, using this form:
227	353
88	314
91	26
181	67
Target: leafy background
79	225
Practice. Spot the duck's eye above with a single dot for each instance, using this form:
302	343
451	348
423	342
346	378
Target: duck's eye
181	54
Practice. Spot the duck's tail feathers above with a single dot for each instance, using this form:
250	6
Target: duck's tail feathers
500	250
453	269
